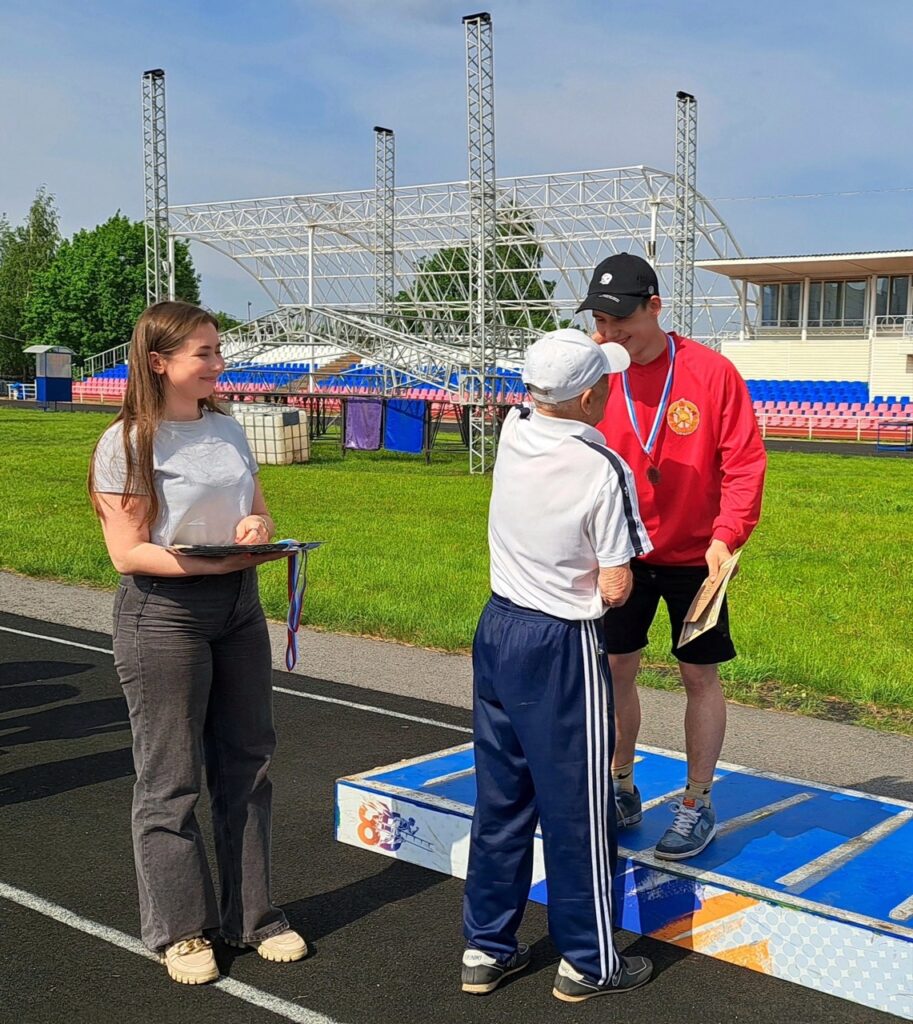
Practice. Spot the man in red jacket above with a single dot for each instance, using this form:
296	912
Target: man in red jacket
681	417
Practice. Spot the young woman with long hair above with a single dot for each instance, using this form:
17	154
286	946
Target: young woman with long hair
191	646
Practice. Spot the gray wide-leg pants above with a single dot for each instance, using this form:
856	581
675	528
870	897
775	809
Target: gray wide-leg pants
193	658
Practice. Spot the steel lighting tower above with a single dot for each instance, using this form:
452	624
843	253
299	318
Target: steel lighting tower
480	110
384	153
685	197
159	272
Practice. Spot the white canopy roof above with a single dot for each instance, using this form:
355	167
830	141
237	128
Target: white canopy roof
823	266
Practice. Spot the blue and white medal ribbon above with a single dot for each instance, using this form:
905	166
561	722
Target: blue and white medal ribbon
297	584
653	473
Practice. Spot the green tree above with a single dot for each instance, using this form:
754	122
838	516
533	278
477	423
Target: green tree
90	296
226	320
25	253
443	277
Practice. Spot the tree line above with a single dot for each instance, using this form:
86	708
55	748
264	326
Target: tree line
86	292
83	292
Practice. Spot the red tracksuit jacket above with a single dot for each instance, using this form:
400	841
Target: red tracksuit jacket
709	453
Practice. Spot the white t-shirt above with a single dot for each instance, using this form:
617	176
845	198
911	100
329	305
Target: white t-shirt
203	473
562	506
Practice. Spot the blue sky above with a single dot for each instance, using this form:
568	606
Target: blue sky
280	96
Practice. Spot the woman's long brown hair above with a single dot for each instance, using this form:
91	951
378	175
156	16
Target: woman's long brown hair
162	328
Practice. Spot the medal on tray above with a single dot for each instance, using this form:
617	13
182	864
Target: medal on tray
653	472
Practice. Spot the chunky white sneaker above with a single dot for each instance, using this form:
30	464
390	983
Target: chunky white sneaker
191	961
282	948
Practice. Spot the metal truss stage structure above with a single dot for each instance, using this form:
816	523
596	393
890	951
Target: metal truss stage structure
448	281
319	250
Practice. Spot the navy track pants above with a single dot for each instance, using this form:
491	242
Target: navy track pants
544	733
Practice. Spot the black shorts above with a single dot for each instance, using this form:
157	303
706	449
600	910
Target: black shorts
626	627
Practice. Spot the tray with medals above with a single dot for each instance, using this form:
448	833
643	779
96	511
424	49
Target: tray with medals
223	550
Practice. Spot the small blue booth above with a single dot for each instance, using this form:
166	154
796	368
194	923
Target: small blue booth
53	373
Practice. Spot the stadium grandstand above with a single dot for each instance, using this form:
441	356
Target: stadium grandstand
824	342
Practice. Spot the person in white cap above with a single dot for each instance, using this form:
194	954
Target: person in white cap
563	527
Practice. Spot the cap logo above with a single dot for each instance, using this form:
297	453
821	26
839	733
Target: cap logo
651	290
605	279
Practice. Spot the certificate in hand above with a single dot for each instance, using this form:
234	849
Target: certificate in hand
222	550
704	612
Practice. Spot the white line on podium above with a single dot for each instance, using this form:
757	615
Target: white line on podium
808	874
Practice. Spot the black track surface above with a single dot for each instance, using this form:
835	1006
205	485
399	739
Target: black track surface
386	934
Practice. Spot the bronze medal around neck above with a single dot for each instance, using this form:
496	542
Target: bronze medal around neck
654	475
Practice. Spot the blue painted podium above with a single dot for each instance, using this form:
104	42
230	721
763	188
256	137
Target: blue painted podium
804	882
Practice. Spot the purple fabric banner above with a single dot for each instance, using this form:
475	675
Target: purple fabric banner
364	417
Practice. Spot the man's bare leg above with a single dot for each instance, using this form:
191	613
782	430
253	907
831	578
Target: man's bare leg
624	668
705	719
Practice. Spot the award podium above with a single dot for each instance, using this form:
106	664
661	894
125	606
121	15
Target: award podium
804	882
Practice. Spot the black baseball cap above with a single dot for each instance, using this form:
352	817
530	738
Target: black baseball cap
620	284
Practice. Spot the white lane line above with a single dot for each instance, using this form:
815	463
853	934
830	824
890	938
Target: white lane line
246	993
56	640
807	875
372	708
278	689
903	911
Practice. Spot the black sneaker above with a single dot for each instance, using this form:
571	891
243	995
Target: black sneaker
482	973
573	987
628	808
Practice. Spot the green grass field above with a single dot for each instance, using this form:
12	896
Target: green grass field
820	609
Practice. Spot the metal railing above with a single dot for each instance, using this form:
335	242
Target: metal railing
817	426
894	325
103	361
19	391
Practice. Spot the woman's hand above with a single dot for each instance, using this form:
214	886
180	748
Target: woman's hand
253	529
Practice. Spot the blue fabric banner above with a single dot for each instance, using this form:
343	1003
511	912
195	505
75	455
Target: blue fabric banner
404	430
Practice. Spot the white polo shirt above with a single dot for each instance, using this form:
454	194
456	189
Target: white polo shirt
562	506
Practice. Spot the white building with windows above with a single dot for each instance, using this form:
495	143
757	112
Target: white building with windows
841	316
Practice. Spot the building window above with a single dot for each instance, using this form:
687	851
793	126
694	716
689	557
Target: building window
770	305
781	305
891	294
882	290
832	306
790	304
854	304
900	290
814	304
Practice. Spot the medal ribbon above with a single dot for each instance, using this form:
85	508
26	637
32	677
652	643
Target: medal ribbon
297	585
650	443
